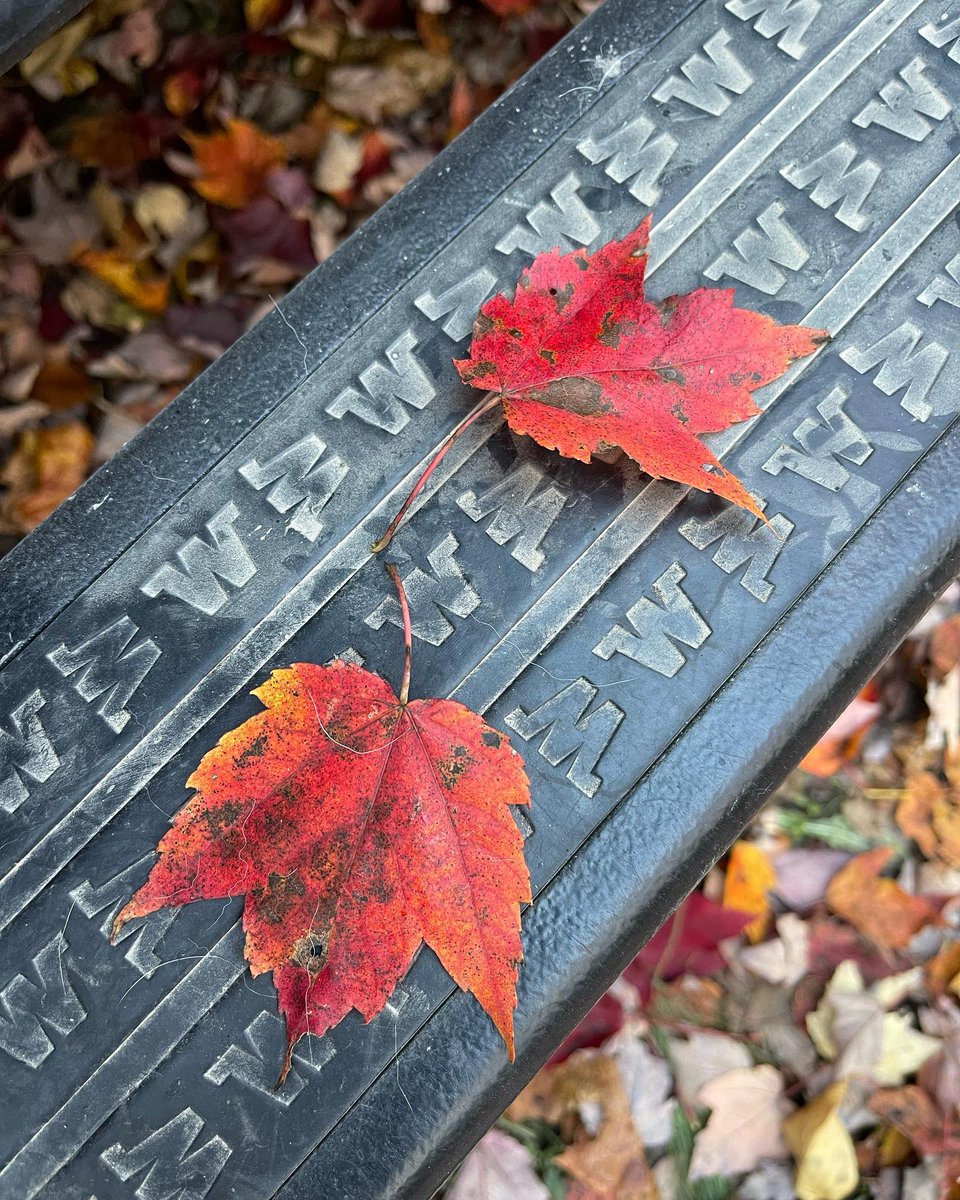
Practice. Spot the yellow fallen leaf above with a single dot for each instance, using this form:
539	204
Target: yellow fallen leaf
161	208
261	13
747	885
903	1050
823	1148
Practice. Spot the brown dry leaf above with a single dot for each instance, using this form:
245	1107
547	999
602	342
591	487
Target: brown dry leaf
57	225
393	88
235	164
62	385
877	907
915	810
47	467
824	1151
940	971
585	1096
747	1110
930	814
612	1162
134	280
746	887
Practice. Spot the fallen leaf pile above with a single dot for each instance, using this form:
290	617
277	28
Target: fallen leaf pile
794	1029
170	169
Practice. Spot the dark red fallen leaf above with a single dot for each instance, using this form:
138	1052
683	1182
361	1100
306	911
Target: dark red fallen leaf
686	944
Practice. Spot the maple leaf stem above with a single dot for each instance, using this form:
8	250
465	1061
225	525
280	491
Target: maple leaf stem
394	574
485	405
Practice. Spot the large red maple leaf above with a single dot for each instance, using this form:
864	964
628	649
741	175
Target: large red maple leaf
583	362
358	825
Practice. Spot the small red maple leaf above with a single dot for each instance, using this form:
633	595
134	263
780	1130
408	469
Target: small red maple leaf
583	362
358	825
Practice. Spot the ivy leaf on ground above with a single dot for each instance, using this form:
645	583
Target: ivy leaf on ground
358	826
584	362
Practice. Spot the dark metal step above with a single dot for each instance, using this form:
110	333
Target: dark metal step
660	659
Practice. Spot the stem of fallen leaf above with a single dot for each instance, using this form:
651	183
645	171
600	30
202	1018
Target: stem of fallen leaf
485	405
394	574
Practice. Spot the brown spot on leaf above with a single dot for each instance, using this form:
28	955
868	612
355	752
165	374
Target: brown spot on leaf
584	397
491	738
672	375
611	331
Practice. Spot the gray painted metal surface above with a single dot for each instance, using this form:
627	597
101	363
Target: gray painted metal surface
803	152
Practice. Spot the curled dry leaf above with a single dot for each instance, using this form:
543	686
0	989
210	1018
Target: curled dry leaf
929	812
358	826
876	906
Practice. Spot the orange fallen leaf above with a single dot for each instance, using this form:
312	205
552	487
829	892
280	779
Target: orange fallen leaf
133	279
47	467
930	814
747	885
235	164
878	907
62	384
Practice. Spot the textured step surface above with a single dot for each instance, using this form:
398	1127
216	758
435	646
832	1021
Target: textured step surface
660	659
